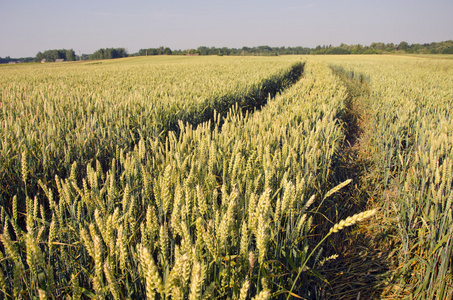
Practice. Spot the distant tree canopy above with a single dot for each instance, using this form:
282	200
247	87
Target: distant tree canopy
155	51
375	48
380	48
337	50
445	47
203	50
52	55
108	53
448	50
21	60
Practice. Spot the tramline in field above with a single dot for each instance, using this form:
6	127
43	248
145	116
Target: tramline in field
411	148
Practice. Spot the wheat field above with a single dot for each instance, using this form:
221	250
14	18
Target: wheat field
211	177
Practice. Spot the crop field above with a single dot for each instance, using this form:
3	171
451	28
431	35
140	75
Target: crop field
227	178
59	114
410	149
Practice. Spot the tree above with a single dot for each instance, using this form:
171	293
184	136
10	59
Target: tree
403	46
52	55
225	51
38	57
203	50
109	53
370	51
70	55
448	50
390	47
337	50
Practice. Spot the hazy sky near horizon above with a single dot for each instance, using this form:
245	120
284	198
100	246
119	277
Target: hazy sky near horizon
29	26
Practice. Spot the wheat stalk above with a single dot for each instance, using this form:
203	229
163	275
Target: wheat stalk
244	290
42	294
76	290
263	295
195	281
337	188
113	285
153	279
25	168
2	282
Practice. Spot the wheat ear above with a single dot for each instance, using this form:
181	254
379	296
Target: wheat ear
349	221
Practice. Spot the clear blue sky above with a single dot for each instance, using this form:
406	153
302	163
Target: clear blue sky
29	26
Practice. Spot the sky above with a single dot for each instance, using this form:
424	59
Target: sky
30	26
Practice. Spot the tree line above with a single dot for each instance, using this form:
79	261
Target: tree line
108	53
8	59
53	55
203	50
445	47
69	55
